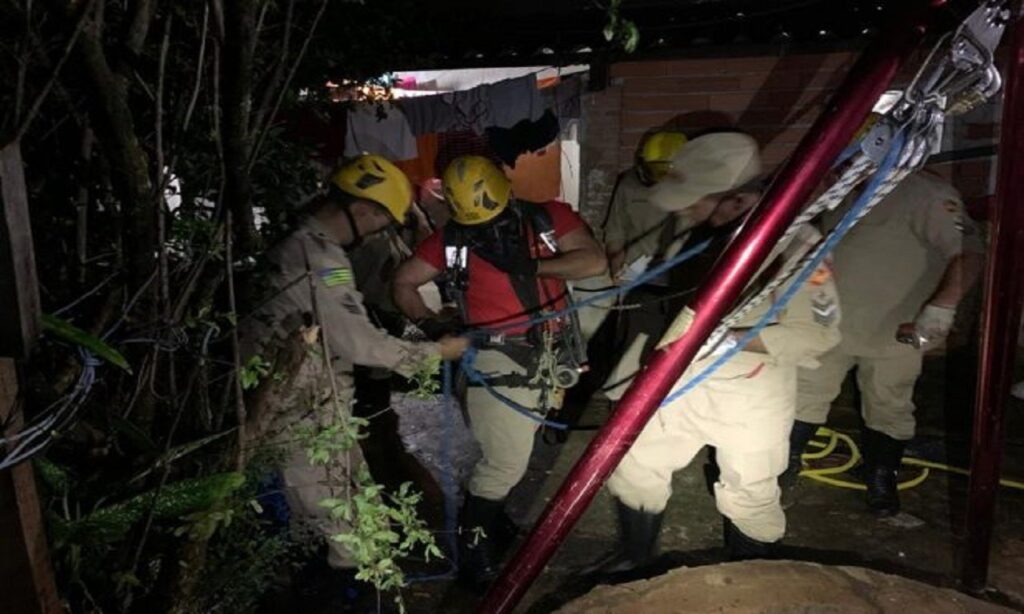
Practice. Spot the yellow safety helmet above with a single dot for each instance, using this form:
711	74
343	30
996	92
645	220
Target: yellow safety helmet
373	178
656	155
476	190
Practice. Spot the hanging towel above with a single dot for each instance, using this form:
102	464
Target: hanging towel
379	129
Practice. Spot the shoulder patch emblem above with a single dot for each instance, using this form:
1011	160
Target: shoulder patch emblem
824	309
336	276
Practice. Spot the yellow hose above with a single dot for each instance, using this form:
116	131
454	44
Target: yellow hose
825	475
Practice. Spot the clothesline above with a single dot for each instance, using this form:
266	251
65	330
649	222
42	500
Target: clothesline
390	129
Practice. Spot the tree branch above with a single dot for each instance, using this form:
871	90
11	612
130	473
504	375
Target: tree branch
259	26
199	69
161	177
235	351
217	9
139	28
34	109
277	74
236	106
291	75
113	122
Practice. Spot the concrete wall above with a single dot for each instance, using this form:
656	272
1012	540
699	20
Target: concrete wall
776	99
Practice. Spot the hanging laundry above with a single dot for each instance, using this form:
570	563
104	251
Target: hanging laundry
502	104
514	100
380	129
526	136
564	98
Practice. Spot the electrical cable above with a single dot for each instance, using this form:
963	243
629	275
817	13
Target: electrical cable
826	475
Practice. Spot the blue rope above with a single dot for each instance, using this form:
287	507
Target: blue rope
481	379
890	160
647	276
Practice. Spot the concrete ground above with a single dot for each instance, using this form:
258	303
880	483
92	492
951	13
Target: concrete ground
827	525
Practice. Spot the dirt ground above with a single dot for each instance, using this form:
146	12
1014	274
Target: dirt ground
827	525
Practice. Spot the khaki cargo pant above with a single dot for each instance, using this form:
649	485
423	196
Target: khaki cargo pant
746	412
885	376
505	436
300	403
592	316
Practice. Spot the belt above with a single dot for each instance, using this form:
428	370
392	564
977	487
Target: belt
521	350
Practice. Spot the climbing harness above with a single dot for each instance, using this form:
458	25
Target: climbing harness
558	352
490	333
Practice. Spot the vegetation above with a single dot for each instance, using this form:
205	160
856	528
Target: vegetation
154	143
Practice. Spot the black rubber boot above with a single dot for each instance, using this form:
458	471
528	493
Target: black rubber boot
798	439
882	457
638	542
505	531
478	563
740	547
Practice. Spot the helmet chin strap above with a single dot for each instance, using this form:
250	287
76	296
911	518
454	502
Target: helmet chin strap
357	237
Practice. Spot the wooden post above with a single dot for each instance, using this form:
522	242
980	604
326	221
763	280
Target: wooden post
28	585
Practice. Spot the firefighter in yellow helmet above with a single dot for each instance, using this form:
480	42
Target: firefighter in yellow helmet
476	191
632	225
655	155
309	330
633	237
503	260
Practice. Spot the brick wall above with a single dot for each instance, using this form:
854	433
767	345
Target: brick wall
776	99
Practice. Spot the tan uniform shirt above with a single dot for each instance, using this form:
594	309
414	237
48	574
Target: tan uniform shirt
809	324
313	273
892	261
632	221
807	327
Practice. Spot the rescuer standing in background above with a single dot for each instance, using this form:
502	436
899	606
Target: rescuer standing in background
632	231
901	272
503	261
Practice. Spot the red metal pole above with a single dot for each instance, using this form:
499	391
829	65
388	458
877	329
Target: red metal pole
1004	290
784	199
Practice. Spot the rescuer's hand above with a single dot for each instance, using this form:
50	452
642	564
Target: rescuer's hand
935	321
452	348
442	325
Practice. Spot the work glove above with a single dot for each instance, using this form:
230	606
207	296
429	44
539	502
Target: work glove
513	262
934	322
931	325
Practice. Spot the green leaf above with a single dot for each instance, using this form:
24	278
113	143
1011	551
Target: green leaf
69	332
609	30
175	500
52	475
632	36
